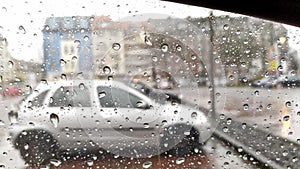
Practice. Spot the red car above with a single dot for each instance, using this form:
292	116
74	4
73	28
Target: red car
11	91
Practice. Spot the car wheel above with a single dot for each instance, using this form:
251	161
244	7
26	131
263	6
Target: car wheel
36	147
186	145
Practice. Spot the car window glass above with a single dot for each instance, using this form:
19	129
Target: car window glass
73	96
39	100
118	98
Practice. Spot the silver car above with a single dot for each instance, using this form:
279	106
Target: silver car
104	114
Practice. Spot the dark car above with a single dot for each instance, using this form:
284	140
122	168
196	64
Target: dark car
290	81
268	82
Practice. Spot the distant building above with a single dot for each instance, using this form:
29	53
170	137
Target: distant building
67	46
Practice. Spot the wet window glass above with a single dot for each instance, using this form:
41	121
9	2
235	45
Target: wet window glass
38	101
146	84
73	96
117	98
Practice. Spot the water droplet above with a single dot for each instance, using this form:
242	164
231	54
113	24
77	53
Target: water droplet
231	77
244	125
13	117
164	47
2	123
102	94
154	58
286	118
90	163
116	46
62	62
180	160
54	119
194	115
225	129
140	104
246	106
147	164
81	86
288	104
86	38
77	42
146	125
147	41
269	106
187	133
26	146
44	81
280	68
63	76
226	27
194	57
138	119
222	116
178	48
10	64
74	58
55	162
22	29
256	92
228	121
106	70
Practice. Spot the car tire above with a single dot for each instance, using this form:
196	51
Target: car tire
187	145
36	147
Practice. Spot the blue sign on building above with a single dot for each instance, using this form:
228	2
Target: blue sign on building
65	38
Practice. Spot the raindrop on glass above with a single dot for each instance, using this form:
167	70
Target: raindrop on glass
286	118
246	106
86	38
194	115
54	119
288	104
62	62
102	94
147	164
81	86
116	46
10	64
106	70
180	160
178	48
164	47
154	58
226	27
147	41
55	162
22	29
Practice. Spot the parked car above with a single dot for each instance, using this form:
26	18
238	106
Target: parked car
289	81
110	115
11	90
267	82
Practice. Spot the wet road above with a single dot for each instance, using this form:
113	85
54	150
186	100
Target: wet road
275	111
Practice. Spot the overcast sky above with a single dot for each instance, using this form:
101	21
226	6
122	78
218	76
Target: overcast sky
21	21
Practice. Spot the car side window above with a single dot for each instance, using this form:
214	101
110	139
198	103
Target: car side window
39	100
118	98
72	96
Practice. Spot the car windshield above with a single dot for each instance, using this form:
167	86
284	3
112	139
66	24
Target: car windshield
146	84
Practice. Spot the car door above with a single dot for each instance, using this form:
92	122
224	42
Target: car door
126	120
66	106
